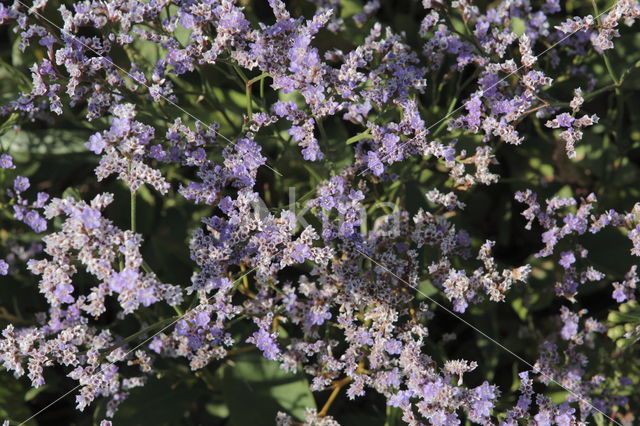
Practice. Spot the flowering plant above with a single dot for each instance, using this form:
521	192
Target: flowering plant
320	212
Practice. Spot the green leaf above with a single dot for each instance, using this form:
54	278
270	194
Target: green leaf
427	289
349	8
558	397
520	308
313	173
23	144
33	392
73	193
358	137
518	26
157	403
12	406
256	389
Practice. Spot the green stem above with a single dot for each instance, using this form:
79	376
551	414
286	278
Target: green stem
445	121
240	73
248	96
276	289
133	211
259	78
610	69
364	135
247	88
607	63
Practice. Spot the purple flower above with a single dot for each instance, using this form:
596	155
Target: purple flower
5	13
392	378
312	151
182	328
47	41
374	164
62	293
4	267
187	20
625	290
626	381
35	221
41	199
156	344
565	416
393	346
96	143
356	196
226	204
570	320
157	153
390	140
619	294
201	319
90	217
439	418
297	133
429	392
266	343
474	107
550	237
146	296
21	184
543	418
300	253
6	162
120	126
400	399
318	315
126	279
364	338
576	223
567	258
464	239
482	406
565	119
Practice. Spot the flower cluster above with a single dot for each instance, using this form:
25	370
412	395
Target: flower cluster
349	292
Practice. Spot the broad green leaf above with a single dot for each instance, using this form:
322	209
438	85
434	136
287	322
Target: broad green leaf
158	403
23	143
350	8
12	397
520	308
427	288
73	193
255	389
518	26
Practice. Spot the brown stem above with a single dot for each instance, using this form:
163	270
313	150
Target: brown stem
241	350
336	386
334	394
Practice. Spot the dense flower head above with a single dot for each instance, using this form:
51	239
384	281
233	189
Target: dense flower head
444	192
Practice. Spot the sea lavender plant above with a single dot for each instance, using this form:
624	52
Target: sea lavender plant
465	167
